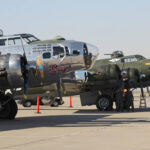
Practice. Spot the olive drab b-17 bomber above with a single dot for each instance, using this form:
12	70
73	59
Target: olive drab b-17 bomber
112	80
27	62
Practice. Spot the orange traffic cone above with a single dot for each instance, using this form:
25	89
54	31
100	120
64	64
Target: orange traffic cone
70	105
38	105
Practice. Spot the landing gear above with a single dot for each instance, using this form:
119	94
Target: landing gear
104	103
55	102
60	102
52	101
8	107
27	103
124	101
59	88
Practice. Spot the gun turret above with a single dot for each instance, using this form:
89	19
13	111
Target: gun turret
116	54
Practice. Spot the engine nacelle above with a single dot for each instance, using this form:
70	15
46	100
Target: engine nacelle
108	72
12	71
130	74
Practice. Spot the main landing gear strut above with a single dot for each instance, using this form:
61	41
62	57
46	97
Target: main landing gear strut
8	106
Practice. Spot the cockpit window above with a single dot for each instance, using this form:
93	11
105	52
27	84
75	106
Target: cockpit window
17	41
26	40
30	39
58	50
11	42
14	41
3	42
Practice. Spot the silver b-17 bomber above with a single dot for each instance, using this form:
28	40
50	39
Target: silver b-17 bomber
27	62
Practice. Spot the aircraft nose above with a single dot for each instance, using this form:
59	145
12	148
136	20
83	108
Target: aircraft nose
91	52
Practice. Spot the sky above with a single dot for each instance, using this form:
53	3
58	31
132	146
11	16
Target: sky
109	24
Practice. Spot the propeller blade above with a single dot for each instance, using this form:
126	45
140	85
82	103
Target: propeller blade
25	87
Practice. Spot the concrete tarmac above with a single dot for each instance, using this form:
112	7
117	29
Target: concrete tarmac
82	128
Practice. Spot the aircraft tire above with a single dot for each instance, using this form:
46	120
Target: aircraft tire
54	104
27	103
104	103
14	110
9	110
60	102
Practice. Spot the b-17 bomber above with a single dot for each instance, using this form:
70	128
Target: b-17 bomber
27	62
113	80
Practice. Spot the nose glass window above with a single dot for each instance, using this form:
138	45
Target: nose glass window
93	50
90	54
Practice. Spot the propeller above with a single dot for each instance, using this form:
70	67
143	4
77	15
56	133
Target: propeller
25	70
